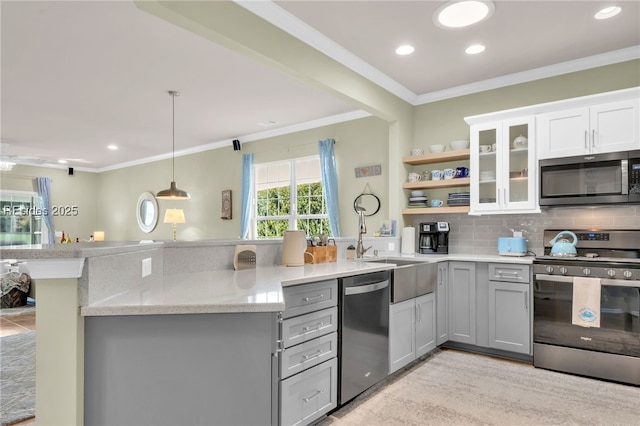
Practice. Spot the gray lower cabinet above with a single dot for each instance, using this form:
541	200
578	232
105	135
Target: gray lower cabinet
402	339
309	395
442	304
307	356
425	324
167	370
412	330
510	308
462	302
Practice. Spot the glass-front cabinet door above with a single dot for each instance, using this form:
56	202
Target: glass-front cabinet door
503	167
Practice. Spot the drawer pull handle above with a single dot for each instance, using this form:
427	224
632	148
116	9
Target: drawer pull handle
305	400
316	354
309	299
315	327
512	274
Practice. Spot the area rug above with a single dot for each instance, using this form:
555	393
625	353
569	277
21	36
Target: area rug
459	388
17	377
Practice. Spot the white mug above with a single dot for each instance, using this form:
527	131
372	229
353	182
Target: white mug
449	173
485	148
436	174
415	177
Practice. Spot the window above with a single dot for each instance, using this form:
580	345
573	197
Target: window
276	210
21	218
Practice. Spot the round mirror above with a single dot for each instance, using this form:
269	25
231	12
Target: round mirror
147	212
370	202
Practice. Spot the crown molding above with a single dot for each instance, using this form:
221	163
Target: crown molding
608	58
284	20
325	121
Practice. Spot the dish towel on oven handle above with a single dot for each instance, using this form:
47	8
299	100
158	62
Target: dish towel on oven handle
586	302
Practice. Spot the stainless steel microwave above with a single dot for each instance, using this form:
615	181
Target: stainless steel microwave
590	179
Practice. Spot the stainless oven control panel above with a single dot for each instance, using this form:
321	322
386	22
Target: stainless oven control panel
595	271
592	236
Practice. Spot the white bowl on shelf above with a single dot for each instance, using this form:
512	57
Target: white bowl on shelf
437	148
456	145
417	193
417	151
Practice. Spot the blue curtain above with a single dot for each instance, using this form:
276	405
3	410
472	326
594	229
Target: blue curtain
43	185
247	184
330	183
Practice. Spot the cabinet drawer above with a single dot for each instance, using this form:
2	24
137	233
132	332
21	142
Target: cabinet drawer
309	395
300	357
509	272
304	298
306	327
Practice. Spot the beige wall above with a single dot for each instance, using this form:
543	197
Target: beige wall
107	201
443	121
205	175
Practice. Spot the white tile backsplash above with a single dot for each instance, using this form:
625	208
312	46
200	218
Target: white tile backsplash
479	234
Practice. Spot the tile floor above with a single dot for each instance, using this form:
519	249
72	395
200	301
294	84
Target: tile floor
16	321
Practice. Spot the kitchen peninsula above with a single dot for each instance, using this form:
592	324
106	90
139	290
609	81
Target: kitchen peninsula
167	333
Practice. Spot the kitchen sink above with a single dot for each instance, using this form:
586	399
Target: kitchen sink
410	278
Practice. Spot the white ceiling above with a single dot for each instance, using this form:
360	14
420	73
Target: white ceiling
77	76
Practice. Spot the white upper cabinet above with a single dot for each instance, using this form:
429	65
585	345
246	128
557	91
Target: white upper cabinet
503	167
503	179
606	127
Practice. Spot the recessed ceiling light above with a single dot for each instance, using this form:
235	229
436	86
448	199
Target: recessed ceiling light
458	14
62	161
267	123
405	49
474	49
112	147
607	12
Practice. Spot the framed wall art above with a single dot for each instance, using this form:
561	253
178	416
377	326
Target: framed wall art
226	204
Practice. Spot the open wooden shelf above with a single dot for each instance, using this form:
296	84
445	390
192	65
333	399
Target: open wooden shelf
435	184
436	210
441	157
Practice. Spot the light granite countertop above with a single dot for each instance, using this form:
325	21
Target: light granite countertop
254	290
75	250
494	258
212	291
224	291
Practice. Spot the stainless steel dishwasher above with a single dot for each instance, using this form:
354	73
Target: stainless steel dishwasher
364	333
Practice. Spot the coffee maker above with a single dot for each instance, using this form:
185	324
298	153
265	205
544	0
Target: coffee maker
434	238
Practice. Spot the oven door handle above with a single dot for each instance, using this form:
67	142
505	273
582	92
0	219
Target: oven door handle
603	281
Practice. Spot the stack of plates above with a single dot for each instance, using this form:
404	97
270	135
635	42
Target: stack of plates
487	175
417	201
458	199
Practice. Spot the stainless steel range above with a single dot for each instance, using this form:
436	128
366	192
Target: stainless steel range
575	331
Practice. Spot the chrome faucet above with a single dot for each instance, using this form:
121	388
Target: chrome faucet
362	229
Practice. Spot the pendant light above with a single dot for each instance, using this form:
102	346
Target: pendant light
173	193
